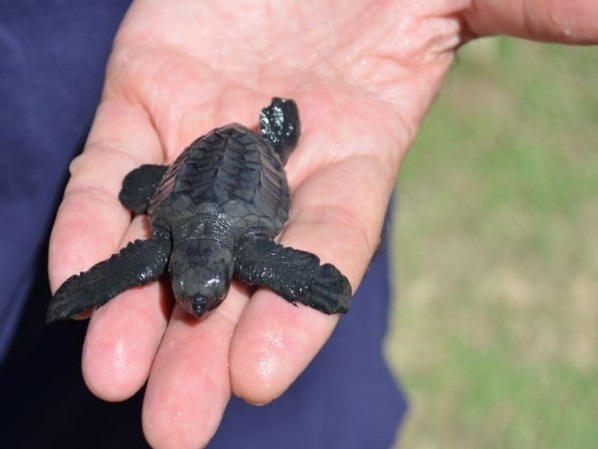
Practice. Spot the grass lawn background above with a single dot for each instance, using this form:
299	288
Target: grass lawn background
494	331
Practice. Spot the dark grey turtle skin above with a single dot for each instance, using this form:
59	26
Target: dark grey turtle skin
214	213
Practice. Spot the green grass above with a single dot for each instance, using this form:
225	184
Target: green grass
495	326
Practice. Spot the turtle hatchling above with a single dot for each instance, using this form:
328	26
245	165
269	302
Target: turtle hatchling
214	213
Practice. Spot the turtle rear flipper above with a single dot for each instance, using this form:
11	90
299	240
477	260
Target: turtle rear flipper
295	275
139	186
137	264
279	124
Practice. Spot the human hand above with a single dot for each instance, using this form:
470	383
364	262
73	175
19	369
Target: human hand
363	76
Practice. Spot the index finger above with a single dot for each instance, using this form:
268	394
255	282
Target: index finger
91	222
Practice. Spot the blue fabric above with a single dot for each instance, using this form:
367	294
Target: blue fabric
52	59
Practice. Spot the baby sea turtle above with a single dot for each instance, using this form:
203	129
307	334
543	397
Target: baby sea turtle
213	213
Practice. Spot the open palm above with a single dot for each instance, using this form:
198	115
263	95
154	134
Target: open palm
362	75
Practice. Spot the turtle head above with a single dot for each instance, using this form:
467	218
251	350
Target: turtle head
200	273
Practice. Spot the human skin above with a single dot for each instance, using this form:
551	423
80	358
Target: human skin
363	74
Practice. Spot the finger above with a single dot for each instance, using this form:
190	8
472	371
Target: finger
189	385
570	22
123	335
274	341
89	228
90	222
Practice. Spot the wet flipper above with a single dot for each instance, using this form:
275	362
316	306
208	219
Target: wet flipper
295	275
137	264
139	186
279	124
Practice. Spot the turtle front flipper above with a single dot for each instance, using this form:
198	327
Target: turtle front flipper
295	275
139	186
138	263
